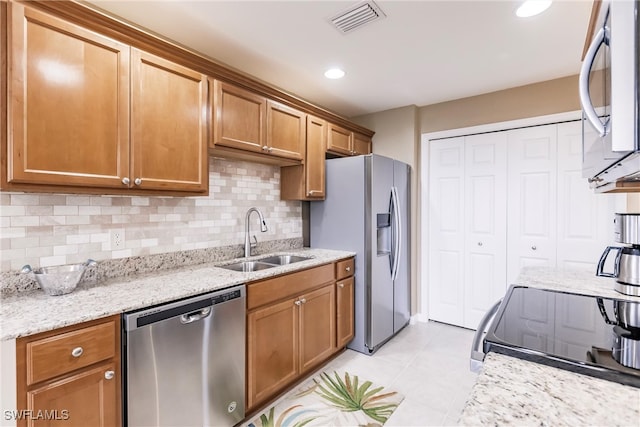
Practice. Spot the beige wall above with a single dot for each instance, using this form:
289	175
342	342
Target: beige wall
397	136
539	99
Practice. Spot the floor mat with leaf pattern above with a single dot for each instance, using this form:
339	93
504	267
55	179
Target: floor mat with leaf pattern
331	400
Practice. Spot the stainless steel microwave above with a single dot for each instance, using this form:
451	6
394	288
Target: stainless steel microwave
609	95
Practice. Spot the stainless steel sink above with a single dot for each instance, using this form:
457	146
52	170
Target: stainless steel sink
283	259
264	263
246	266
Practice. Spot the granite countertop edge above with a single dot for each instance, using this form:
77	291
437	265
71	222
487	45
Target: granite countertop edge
33	312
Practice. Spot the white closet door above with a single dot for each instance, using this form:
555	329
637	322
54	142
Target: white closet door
446	230
585	219
531	195
485	218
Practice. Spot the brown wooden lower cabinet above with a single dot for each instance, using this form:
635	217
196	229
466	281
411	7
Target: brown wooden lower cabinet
317	327
86	392
291	326
272	349
345	311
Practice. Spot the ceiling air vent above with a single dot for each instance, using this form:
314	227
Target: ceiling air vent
356	16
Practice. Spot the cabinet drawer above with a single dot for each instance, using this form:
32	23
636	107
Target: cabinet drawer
59	354
345	268
270	290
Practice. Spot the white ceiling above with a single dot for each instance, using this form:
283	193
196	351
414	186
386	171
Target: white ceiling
423	52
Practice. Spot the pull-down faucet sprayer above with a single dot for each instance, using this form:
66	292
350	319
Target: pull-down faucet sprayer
247	240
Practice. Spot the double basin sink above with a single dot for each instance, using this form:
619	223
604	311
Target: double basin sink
264	263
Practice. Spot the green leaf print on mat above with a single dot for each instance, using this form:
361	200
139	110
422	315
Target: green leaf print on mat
331	400
349	397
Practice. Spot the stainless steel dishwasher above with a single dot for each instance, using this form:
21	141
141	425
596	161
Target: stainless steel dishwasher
184	362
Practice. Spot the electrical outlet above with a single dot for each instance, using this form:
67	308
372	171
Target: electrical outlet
117	239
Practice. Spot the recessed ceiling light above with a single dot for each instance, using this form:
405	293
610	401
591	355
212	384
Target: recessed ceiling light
532	8
334	73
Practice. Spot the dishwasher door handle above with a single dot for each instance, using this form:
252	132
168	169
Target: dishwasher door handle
195	316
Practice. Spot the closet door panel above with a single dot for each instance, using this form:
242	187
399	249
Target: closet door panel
585	219
446	230
532	196
485	218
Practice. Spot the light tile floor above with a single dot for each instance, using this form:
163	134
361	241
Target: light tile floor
428	363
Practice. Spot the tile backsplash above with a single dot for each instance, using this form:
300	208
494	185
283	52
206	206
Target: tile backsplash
55	229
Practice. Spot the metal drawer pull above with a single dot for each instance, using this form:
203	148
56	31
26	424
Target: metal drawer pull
297	302
534	247
341	285
77	352
479	243
126	180
302	300
137	181
348	269
109	375
264	148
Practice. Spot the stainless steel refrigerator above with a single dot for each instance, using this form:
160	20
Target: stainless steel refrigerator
366	210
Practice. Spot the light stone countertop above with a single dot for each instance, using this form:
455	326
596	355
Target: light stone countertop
512	391
32	312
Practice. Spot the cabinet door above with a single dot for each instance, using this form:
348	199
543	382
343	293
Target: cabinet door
485	216
168	119
285	131
88	398
272	350
361	144
532	202
69	103
317	326
446	230
345	312
238	117
339	140
314	164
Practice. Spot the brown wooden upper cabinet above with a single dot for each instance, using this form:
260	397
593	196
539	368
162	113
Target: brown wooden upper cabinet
70	120
307	181
248	123
361	144
169	128
343	142
238	118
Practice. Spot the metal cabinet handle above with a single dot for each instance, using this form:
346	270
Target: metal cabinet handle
534	248
77	352
109	375
479	243
348	269
137	181
312	192
341	285
303	300
270	149
126	180
265	148
297	302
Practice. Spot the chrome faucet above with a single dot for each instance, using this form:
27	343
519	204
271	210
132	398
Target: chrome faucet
247	240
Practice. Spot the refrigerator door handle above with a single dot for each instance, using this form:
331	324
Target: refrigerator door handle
397	234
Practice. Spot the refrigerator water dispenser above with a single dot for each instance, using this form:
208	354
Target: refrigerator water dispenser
383	224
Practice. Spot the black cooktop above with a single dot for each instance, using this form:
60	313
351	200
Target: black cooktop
591	335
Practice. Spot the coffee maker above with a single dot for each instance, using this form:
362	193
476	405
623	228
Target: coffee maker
627	262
